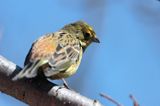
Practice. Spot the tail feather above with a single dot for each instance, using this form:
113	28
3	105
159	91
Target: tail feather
29	71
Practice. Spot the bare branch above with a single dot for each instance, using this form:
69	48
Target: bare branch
135	103
38	92
110	99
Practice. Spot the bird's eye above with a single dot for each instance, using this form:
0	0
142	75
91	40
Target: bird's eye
87	36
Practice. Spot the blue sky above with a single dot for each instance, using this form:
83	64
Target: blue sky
126	61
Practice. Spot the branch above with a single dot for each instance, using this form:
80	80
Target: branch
110	99
135	103
38	92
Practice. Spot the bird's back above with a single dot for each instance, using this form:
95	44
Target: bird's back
42	48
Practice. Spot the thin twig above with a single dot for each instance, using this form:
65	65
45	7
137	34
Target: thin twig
135	103
110	99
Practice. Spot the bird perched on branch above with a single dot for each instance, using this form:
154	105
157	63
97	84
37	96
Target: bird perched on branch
58	54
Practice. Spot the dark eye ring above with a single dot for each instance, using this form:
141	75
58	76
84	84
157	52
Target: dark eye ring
87	36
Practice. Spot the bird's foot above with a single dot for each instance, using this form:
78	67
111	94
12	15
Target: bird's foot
65	84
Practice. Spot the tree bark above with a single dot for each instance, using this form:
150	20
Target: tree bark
37	91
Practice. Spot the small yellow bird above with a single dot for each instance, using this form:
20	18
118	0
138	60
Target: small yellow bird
58	55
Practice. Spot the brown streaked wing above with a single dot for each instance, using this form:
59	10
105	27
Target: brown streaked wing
65	56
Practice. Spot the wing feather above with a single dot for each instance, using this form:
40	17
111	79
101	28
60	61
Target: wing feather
67	54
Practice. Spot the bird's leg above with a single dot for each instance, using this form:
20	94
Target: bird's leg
65	83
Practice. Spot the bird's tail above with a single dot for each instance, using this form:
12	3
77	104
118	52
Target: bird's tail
29	71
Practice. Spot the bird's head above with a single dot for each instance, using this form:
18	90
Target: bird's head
83	32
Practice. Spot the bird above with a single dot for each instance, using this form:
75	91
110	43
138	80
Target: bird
58	55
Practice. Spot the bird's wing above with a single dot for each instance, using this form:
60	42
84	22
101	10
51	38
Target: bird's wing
66	53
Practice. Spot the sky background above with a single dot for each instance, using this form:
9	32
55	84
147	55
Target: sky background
126	61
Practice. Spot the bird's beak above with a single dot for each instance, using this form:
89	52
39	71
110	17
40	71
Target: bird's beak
96	40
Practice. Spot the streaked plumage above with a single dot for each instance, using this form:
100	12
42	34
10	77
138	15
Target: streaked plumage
58	54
